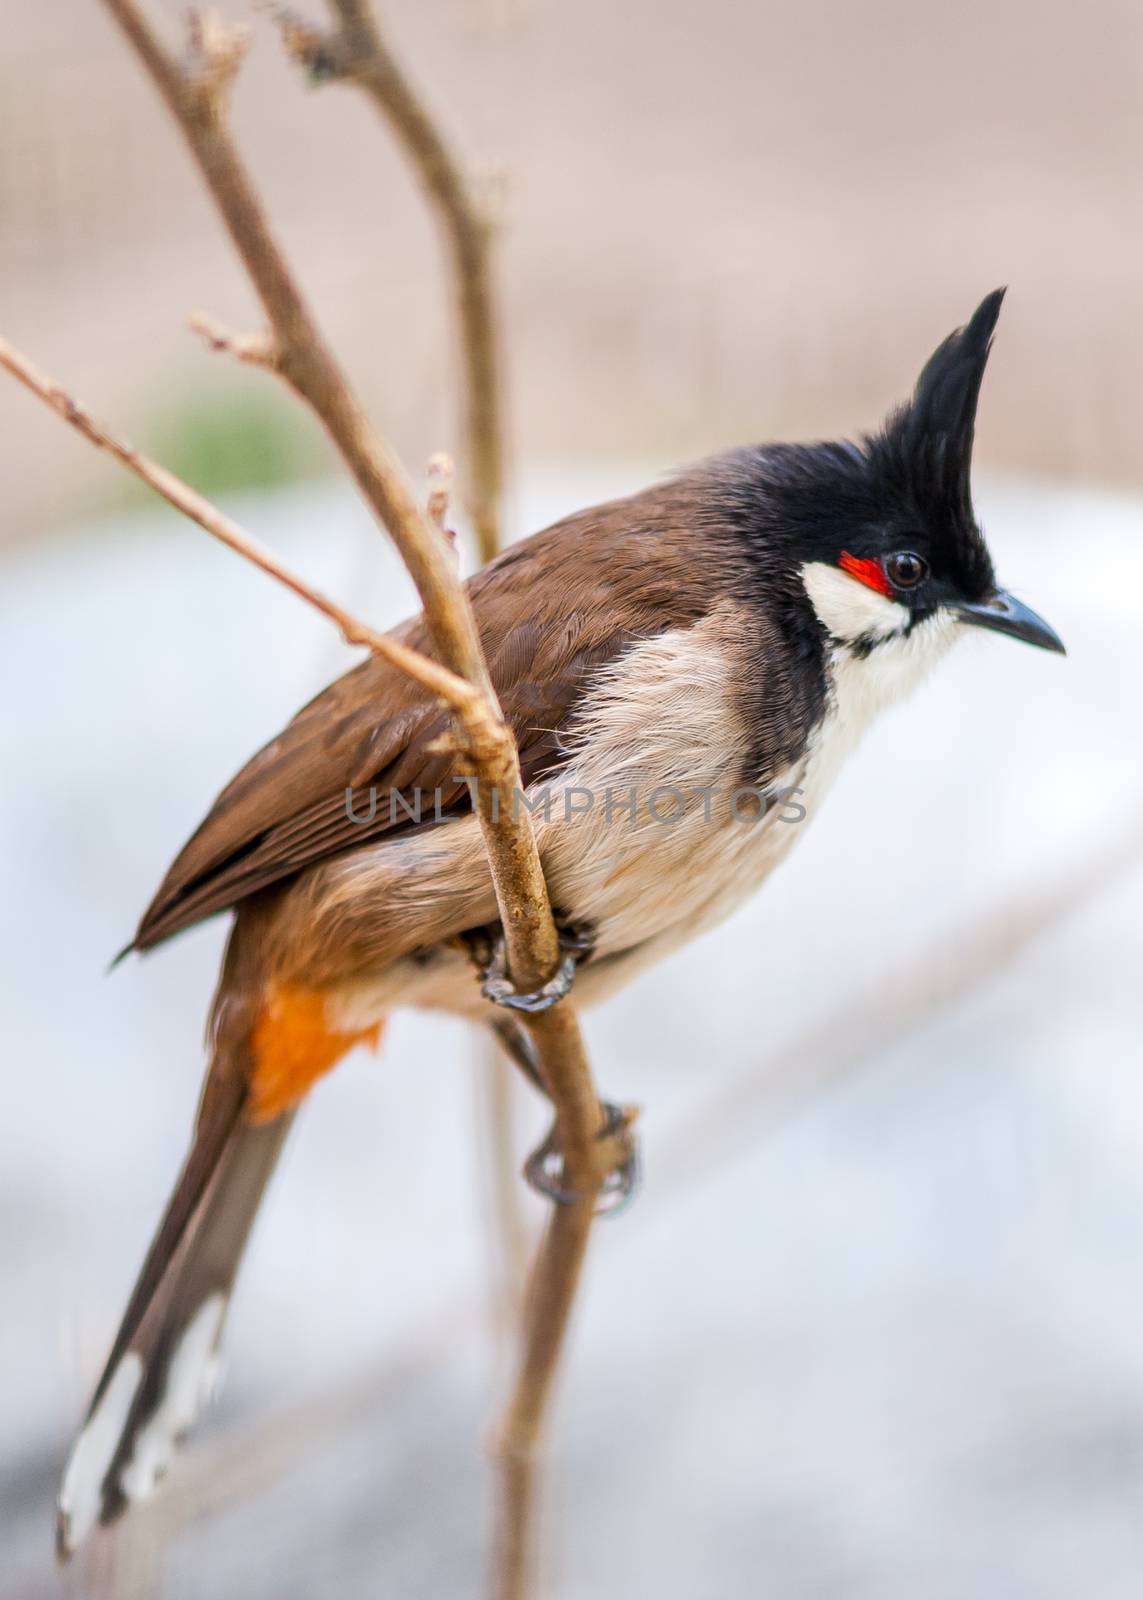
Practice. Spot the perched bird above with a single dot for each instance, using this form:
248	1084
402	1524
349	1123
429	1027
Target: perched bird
684	671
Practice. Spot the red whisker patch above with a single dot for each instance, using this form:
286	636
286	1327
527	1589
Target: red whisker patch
865	571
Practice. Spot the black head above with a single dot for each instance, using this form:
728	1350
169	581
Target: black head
894	513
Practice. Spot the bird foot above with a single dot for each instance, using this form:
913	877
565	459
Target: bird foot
576	944
544	1168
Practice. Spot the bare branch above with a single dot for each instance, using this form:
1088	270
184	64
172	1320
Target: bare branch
468	702
547	1311
218	48
354	51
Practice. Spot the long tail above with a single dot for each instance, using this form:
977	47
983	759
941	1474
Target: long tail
163	1362
270	1043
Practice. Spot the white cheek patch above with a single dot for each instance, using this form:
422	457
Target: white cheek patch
850	609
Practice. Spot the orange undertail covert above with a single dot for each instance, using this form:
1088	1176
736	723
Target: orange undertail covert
293	1046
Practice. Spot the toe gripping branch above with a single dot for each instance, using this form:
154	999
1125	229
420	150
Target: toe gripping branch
576	945
544	1168
495	985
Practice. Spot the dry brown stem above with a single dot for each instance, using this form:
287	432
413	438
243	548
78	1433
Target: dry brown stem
469	703
355	51
516	1448
256	349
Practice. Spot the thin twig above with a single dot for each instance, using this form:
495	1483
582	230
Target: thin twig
469	703
255	349
356	52
516	1448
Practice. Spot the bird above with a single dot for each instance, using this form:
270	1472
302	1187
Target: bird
685	671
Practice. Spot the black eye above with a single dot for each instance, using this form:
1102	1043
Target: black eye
906	569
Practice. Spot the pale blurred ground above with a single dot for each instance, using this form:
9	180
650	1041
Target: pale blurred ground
885	1346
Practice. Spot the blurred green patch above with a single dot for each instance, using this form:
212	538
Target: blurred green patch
238	440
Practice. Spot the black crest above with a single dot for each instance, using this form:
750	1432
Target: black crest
927	445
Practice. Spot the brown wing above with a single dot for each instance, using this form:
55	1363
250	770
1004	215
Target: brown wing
551	611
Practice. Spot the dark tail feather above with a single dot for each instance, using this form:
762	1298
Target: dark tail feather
161	1365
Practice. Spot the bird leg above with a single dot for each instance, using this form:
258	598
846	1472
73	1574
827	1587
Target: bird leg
518	1046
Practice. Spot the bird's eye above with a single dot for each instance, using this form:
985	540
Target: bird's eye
906	569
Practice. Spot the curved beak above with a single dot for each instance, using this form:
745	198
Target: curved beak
1003	613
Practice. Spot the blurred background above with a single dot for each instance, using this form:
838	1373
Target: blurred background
873	1326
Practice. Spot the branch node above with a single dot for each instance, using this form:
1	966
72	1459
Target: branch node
320	51
255	349
215	51
440	471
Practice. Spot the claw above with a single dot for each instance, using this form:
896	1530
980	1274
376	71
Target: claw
486	948
576	944
497	986
578	937
544	1168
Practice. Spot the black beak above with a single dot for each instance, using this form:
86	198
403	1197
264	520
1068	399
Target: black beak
1003	614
